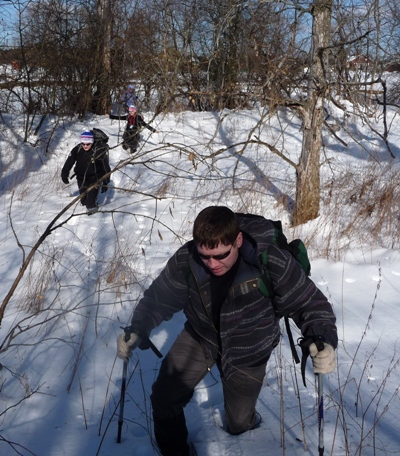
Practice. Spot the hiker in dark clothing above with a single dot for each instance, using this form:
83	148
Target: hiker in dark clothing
91	163
131	134
214	279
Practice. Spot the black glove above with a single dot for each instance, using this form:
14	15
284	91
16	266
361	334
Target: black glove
136	328
136	336
65	179
104	188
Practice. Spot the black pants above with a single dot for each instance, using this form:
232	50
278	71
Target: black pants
131	139
90	199
181	370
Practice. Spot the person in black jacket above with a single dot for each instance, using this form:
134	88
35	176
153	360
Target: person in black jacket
214	279
91	162
131	134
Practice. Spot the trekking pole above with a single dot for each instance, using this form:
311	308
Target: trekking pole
128	332
122	398
122	401
305	345
320	347
321	414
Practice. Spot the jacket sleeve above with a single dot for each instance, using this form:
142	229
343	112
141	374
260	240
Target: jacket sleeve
123	97
149	127
142	123
167	295
296	295
69	163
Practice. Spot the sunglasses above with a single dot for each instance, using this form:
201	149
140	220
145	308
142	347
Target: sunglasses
86	144
218	257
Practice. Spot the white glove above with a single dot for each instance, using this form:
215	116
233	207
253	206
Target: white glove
324	361
125	349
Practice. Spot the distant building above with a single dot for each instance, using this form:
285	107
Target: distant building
359	62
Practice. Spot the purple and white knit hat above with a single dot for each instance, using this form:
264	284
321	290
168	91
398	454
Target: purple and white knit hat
87	137
132	108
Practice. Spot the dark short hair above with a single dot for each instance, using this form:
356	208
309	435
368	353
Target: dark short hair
215	225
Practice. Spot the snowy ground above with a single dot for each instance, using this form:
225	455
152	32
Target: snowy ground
60	381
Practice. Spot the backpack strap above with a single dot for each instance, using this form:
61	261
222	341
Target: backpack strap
264	281
291	341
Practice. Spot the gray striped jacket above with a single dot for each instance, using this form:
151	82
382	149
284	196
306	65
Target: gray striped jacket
249	321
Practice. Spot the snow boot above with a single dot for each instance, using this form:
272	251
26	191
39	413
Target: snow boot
92	210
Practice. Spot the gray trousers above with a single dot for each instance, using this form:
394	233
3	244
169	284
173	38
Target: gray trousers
182	369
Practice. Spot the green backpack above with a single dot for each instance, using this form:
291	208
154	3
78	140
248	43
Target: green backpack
296	248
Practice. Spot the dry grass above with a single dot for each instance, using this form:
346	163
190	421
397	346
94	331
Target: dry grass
358	207
118	274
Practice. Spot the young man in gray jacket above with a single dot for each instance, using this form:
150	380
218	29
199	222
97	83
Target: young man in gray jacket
215	280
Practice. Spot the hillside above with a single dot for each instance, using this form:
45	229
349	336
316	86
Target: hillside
60	378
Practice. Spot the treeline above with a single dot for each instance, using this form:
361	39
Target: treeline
74	56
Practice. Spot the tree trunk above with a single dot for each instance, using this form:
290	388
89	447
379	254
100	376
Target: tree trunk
308	169
102	94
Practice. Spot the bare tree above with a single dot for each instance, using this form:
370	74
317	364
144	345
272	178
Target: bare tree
102	96
308	169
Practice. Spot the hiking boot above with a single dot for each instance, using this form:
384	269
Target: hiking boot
125	146
92	210
258	421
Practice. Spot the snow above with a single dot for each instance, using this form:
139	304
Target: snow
60	379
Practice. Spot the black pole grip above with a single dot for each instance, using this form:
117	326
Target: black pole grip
154	348
144	337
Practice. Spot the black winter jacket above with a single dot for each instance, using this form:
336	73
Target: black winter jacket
134	123
249	321
90	165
